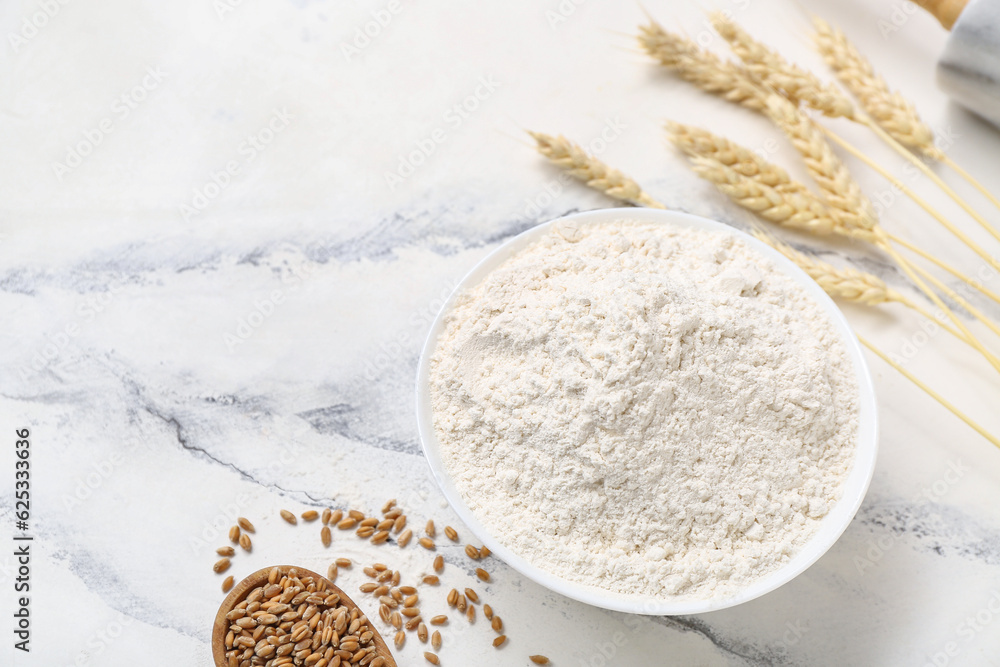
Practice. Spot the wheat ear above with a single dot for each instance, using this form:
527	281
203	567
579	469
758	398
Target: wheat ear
702	68
890	115
889	109
597	175
930	392
795	210
840	191
697	142
846	283
775	72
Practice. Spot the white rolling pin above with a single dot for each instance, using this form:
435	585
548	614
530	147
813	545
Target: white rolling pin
969	69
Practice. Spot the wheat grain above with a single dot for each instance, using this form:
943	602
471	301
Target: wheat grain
404	539
234	534
499	641
245	524
227	584
245	542
289	517
538	659
297	620
310	515
889	109
795	83
226	551
221	565
597	175
451	533
702	68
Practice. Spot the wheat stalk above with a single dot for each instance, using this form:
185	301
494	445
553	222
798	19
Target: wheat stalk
890	115
795	83
930	392
597	175
920	201
702	68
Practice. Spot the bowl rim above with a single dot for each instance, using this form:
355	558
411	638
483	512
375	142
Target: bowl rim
832	525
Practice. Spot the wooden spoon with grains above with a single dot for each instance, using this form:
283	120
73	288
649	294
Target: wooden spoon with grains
285	601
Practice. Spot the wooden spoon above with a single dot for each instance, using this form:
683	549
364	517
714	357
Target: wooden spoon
259	578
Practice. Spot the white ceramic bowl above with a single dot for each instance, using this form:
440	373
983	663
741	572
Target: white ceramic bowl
831	527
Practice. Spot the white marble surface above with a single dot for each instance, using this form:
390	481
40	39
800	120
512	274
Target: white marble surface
171	406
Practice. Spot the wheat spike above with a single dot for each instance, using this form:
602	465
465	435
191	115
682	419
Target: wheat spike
846	283
697	142
889	109
597	175
773	70
700	67
847	203
795	210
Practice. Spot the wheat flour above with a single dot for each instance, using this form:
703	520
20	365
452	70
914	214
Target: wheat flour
645	409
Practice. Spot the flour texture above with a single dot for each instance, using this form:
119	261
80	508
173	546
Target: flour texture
645	409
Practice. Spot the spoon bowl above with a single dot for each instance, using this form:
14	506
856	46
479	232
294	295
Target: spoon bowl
260	578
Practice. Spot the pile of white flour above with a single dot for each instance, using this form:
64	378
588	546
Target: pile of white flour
645	409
